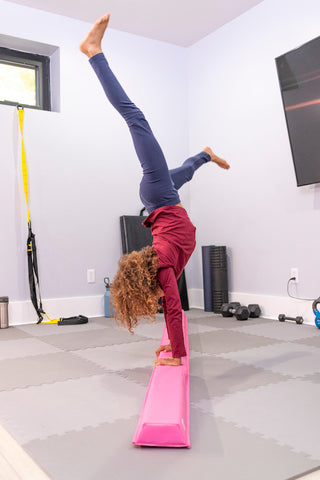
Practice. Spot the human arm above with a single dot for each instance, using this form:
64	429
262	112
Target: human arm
172	310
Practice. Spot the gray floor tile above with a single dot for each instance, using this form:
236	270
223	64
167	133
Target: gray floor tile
213	376
197	313
107	322
80	427
285	331
218	321
92	338
25	347
70	405
138	375
221	341
155	330
50	368
124	356
314	342
291	359
150	330
312	378
42	330
198	328
194	354
12	333
105	452
276	412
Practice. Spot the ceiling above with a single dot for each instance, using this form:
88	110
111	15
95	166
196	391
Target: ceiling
181	22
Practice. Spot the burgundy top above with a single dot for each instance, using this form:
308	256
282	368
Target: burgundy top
174	241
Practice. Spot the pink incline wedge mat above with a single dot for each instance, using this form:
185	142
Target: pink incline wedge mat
165	416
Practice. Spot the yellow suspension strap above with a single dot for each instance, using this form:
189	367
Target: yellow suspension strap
32	251
33	272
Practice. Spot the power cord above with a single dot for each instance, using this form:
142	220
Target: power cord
314	304
292	296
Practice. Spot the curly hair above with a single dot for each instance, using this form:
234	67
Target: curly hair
135	289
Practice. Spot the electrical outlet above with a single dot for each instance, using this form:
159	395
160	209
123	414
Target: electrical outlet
91	275
294	273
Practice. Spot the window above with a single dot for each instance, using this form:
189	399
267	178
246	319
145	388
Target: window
24	79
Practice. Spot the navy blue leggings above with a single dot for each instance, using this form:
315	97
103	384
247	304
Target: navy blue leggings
159	185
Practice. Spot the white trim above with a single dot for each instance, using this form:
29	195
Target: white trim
270	305
21	313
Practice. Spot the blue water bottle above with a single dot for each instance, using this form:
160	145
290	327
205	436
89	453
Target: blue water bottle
108	308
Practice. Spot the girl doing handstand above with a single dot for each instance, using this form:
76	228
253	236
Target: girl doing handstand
146	275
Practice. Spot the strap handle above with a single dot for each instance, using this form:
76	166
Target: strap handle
31	245
24	161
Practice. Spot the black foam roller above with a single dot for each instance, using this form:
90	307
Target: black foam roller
219	277
215	277
207	284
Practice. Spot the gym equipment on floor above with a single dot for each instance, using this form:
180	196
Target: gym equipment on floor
4	312
135	236
215	277
282	317
254	310
33	273
206	272
316	312
165	417
78	320
108	307
234	308
240	312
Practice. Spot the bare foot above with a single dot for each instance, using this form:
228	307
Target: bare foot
174	362
163	348
91	45
214	158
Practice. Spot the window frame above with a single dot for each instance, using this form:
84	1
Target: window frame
41	64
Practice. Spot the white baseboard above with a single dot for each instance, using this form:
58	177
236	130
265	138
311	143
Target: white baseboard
21	313
270	305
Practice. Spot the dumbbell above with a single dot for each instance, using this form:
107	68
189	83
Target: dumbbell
282	318
234	308
241	313
254	310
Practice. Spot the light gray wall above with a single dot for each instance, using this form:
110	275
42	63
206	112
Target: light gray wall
268	224
83	172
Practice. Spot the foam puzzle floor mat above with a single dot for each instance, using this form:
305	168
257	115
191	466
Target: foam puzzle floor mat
72	395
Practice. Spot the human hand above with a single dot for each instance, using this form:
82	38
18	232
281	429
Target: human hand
163	348
173	362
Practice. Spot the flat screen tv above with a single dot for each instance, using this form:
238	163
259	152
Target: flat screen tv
299	76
